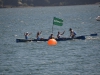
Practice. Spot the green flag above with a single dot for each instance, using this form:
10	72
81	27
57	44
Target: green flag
57	21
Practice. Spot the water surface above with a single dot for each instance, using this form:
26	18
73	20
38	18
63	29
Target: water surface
76	57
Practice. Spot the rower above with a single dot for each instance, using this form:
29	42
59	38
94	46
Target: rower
59	34
37	36
26	35
72	33
51	36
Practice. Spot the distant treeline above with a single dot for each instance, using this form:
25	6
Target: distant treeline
16	3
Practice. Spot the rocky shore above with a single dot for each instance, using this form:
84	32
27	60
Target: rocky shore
43	3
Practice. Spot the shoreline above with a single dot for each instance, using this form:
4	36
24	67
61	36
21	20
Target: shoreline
9	6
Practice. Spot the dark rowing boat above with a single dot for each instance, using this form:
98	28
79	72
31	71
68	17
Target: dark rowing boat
60	39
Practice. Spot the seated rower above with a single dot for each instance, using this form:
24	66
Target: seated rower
59	34
72	33
26	35
37	36
51	36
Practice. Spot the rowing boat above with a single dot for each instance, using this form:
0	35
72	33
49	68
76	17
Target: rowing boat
60	39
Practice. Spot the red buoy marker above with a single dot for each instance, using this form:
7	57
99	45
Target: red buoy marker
52	42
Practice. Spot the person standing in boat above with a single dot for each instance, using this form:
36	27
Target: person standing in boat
37	36
26	35
72	33
59	34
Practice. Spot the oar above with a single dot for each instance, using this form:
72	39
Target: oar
83	36
95	34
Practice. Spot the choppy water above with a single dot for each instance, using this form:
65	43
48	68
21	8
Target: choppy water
76	57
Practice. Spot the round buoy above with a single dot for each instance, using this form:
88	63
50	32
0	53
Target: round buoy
52	42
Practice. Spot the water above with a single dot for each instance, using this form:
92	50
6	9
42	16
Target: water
76	57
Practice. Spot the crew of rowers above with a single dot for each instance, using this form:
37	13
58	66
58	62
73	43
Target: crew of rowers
72	35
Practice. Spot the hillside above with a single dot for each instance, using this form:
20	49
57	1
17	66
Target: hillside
34	3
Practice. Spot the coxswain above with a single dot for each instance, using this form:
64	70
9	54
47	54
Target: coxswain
26	35
72	33
59	34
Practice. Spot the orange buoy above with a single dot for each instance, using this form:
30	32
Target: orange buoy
52	42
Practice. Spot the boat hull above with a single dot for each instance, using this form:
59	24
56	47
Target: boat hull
60	39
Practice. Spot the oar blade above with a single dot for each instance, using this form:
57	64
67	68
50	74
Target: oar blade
94	34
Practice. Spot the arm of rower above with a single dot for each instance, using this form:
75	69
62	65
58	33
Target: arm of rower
30	33
63	33
40	32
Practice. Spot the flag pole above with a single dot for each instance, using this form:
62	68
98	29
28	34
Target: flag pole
52	28
52	25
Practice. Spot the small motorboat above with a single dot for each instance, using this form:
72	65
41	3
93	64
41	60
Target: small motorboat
98	18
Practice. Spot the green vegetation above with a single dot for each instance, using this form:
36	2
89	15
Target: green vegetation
18	3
